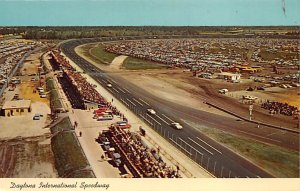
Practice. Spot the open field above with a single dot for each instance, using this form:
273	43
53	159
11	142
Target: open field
280	55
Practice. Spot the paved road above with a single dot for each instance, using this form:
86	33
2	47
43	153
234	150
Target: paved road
217	159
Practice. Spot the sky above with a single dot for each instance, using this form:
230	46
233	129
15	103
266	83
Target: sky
149	12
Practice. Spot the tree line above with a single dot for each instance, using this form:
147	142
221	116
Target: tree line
68	32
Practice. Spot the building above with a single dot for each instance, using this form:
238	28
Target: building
229	76
16	107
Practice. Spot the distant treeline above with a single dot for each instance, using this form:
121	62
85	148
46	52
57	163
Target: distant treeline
58	32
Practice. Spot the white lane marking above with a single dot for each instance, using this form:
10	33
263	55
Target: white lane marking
98	80
110	90
190	145
162	119
126	90
180	146
114	81
144	102
168	118
125	102
259	136
115	90
131	102
209	145
153	119
121	90
137	101
282	132
146	119
200	146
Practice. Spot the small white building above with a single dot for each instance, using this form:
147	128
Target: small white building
16	107
229	76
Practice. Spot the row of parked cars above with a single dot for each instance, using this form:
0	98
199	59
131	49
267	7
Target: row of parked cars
41	92
109	150
103	113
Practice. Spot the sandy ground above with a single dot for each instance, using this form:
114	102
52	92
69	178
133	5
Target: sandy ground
29	157
175	156
118	61
25	143
272	94
24	125
30	64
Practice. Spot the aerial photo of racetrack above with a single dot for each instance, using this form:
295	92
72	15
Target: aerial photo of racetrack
149	101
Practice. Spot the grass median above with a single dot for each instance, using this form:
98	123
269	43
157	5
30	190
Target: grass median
138	64
99	54
102	55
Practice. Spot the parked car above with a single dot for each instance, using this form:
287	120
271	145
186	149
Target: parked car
260	88
105	117
106	145
100	110
36	117
43	95
295	84
117	159
102	113
283	86
122	124
223	91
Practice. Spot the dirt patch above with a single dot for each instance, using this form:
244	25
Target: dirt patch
29	157
28	91
118	61
272	94
174	89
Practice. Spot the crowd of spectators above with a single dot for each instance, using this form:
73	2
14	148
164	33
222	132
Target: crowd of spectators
147	162
61	61
278	107
85	90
